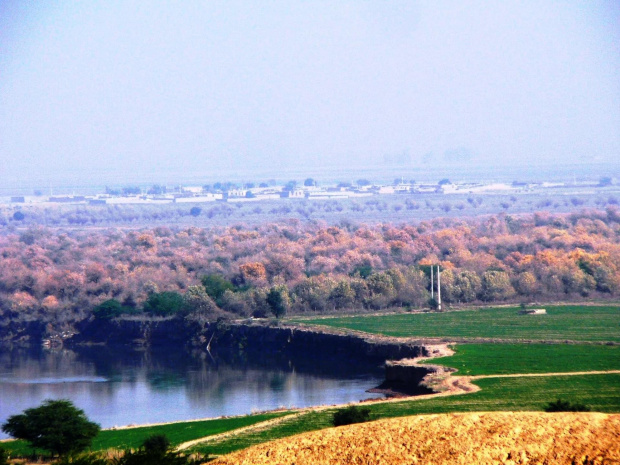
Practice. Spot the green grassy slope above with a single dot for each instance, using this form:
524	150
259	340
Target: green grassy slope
565	322
486	359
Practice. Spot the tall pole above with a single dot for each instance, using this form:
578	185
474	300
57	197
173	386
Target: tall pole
432	283
438	288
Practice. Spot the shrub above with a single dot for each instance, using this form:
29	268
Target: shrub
565	406
350	415
155	450
156	444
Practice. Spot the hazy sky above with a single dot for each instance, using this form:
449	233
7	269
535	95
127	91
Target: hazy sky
145	87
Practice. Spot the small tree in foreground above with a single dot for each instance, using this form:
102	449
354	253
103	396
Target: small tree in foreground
57	426
350	415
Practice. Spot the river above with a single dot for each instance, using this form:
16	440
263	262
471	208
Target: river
124	387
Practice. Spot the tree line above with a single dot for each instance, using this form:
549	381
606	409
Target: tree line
60	276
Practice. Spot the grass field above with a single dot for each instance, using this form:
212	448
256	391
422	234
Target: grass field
599	392
489	359
177	433
565	322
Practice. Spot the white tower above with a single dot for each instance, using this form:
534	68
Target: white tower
438	288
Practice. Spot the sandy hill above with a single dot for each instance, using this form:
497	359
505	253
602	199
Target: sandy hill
472	438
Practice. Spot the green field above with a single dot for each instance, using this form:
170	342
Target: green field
562	323
490	359
599	392
177	433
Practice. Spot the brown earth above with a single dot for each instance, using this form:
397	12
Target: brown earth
472	438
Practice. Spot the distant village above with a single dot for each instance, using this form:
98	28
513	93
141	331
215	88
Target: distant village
309	189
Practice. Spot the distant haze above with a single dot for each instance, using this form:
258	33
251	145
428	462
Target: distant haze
134	91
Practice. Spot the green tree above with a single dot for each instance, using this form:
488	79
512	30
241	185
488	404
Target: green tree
164	303
107	310
278	300
215	285
57	426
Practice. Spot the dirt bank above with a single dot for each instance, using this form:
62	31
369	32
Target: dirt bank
503	438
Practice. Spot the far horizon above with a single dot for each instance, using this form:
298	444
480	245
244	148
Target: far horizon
65	183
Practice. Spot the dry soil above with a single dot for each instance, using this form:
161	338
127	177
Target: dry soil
472	438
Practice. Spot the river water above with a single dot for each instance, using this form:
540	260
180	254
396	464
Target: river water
117	388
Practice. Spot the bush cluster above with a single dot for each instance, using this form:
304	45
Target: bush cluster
566	406
350	415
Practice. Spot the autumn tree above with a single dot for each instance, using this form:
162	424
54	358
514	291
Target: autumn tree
253	273
496	286
382	290
467	286
196	300
527	283
342	296
313	293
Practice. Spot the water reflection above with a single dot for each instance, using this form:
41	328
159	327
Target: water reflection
120	387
